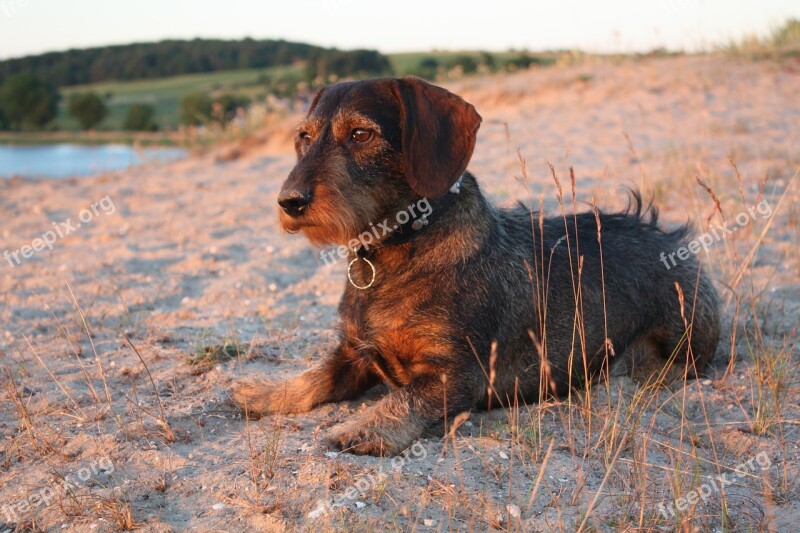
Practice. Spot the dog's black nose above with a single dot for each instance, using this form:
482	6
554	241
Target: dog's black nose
294	202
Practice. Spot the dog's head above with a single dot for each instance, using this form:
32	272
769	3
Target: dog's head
368	148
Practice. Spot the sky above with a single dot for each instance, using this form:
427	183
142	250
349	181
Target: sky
34	26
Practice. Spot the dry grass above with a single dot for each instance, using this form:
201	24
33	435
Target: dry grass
781	43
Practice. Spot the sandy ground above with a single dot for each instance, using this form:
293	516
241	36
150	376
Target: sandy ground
96	437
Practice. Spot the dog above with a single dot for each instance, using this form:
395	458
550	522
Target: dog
467	304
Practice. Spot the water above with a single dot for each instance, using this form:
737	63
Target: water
70	160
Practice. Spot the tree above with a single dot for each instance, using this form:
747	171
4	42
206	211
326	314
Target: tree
332	64
27	100
194	108
88	109
140	117
428	68
467	63
522	61
226	107
487	60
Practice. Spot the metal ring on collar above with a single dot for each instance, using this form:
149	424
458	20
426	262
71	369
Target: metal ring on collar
349	276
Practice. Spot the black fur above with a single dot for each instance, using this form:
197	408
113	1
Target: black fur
534	304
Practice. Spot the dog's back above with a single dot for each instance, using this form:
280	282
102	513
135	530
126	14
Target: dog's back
598	294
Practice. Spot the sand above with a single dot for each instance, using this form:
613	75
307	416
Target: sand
175	258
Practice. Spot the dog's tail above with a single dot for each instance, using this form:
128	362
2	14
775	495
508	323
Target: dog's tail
646	215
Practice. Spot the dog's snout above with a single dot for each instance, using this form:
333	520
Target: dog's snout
294	201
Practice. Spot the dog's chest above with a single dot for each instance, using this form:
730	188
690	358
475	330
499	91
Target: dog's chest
403	329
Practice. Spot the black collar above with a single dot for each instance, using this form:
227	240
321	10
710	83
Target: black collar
415	226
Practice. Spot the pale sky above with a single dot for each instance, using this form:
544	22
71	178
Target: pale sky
33	26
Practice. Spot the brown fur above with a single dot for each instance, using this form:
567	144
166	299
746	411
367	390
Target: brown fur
476	280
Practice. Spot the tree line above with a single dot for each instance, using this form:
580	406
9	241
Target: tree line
141	61
28	103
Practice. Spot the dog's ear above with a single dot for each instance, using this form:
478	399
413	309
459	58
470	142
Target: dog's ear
438	132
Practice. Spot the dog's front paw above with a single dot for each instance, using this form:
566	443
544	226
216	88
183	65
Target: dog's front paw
362	438
359	440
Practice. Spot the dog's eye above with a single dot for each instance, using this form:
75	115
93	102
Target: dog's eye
305	138
361	136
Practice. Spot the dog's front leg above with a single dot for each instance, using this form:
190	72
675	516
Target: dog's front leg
340	376
400	417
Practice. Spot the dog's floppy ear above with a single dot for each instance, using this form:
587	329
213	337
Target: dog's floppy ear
438	132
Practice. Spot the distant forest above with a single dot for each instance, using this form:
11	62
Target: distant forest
171	58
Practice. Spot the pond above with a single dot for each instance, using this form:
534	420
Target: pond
72	160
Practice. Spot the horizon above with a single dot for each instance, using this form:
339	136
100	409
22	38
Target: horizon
28	27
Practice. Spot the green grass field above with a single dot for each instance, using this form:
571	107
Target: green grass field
165	93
